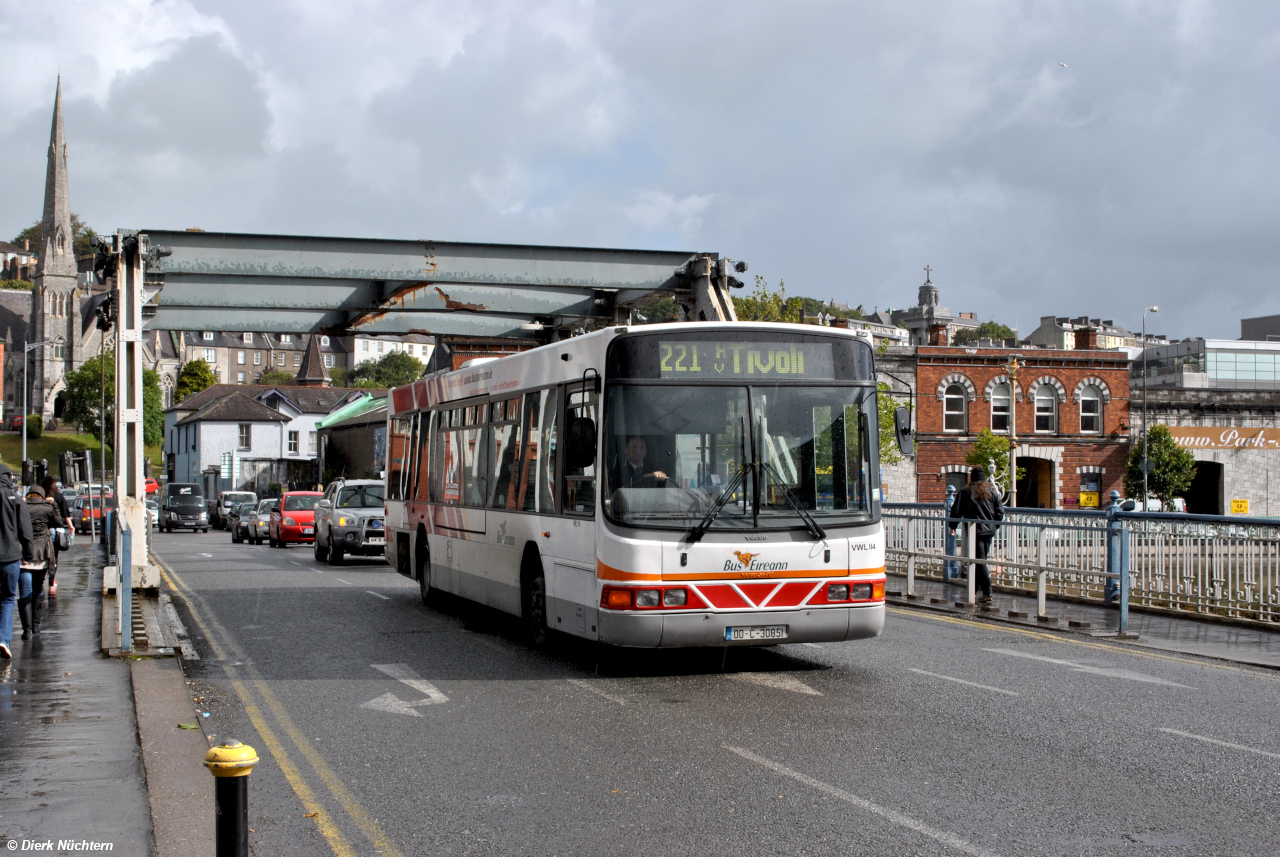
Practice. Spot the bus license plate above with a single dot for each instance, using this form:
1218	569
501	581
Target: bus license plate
756	632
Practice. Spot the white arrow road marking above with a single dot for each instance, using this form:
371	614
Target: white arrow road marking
777	681
405	675
590	688
347	582
208	555
391	703
1227	744
1110	672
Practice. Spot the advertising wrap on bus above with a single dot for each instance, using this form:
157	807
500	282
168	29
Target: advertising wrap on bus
669	485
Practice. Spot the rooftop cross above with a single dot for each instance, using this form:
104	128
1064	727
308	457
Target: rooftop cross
927	271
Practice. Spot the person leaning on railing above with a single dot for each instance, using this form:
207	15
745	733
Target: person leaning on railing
979	501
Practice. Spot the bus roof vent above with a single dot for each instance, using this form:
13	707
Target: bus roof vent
477	361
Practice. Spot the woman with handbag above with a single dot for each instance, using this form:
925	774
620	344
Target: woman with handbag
45	518
62	539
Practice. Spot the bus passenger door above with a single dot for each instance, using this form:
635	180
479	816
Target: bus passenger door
571	561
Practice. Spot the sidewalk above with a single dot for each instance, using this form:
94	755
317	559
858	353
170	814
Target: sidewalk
1204	637
70	762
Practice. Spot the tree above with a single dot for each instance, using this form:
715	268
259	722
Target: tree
83	397
987	330
886	404
1172	474
393	369
990	450
765	304
339	376
17	285
194	377
278	379
80	237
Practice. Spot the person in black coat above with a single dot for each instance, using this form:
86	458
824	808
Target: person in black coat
44	519
979	501
15	546
51	491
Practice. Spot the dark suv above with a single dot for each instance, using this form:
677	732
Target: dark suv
351	519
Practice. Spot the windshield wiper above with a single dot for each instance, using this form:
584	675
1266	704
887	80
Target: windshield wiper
813	527
696	534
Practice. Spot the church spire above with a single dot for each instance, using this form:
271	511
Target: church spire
56	255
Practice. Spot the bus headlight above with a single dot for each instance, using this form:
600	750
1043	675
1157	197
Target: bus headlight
861	592
675	598
838	592
648	597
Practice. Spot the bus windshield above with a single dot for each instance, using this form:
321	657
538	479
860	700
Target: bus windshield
673	450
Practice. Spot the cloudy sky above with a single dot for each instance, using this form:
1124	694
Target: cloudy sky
1046	158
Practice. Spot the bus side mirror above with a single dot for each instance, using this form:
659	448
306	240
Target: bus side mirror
582	443
902	429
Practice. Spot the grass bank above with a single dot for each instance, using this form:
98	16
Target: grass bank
51	444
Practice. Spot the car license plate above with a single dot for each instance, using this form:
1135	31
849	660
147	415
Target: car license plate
756	632
375	540
307	531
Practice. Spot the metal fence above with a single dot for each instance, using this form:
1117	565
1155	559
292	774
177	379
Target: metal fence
1203	564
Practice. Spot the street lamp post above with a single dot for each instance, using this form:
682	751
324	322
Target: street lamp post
1146	464
26	358
1012	368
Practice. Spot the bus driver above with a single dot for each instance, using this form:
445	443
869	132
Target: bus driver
632	473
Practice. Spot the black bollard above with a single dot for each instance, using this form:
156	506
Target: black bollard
231	764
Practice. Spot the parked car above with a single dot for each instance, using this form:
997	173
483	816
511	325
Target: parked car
294	520
15	422
182	507
260	520
226	499
153	512
238	521
350	519
152	485
88	510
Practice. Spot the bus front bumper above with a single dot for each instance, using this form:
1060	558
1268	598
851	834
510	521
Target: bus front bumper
687	629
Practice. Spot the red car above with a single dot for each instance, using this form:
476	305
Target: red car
293	520
152	485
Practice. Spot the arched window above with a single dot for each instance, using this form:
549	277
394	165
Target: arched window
1046	409
1000	408
953	409
1091	410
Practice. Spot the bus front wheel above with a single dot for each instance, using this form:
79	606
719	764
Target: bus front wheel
422	559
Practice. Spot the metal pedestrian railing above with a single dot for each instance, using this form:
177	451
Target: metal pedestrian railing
1209	565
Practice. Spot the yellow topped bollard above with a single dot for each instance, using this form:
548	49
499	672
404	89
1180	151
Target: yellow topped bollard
231	763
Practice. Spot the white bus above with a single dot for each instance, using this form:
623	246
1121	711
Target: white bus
667	485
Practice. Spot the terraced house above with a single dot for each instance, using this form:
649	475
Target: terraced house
1071	408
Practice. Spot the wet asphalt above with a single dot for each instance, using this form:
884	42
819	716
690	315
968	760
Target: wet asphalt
942	736
70	763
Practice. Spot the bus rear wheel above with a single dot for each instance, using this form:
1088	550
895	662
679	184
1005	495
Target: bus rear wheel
535	607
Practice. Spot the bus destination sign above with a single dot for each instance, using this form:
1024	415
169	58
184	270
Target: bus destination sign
738	359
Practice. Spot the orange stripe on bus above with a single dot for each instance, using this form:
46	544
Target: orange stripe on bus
608	572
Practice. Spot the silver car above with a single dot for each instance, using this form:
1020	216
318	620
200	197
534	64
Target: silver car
259	520
351	519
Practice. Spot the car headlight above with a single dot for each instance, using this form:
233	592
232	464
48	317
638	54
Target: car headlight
290	522
342	521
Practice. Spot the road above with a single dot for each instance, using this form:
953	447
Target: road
387	727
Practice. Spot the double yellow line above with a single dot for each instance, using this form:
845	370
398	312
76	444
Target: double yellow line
224	647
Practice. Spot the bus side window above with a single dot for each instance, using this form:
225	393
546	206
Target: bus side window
474	442
526	493
538	462
506	438
397	455
422	469
547	452
579	439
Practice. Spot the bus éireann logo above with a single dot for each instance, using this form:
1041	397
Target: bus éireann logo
751	564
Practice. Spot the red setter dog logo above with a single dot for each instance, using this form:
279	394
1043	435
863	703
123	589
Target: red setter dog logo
745	558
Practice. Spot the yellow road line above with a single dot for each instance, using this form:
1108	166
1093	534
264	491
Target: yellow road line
337	841
1113	647
350	804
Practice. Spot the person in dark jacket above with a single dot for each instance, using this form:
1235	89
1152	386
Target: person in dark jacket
44	519
50	486
979	501
15	546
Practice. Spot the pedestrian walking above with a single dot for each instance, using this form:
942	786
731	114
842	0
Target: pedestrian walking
15	546
979	501
50	486
44	520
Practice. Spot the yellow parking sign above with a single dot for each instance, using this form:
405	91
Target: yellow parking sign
1239	507
1089	499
